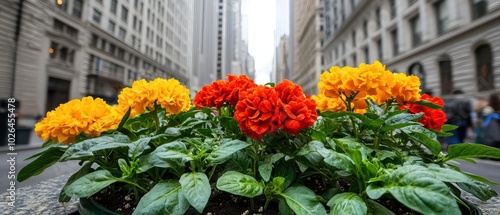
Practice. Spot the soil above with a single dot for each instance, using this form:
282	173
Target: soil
222	203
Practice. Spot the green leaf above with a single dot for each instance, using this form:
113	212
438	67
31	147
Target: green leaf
196	189
283	208
46	159
479	189
448	127
468	150
303	201
239	184
90	184
229	123
365	120
224	151
338	160
136	148
347	203
428	104
286	170
423	136
239	162
374	208
448	174
173	132
63	198
417	188
266	168
165	198
172	150
85	149
480	178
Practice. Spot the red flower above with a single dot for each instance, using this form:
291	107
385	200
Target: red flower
432	118
235	85
255	112
296	110
211	95
221	92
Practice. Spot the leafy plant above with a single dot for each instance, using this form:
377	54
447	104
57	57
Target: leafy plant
367	136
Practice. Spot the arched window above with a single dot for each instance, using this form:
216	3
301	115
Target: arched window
418	70
484	69
446	75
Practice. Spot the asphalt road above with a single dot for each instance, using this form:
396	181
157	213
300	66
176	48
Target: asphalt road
489	169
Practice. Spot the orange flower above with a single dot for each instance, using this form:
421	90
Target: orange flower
432	118
295	109
222	92
255	112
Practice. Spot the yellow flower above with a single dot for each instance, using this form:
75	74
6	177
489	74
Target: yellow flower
169	94
172	96
406	88
67	121
325	103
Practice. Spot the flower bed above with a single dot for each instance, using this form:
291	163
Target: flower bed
367	138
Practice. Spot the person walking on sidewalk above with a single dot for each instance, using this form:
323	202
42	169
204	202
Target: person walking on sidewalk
458	112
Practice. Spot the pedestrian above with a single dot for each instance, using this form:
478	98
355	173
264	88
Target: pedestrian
459	113
491	125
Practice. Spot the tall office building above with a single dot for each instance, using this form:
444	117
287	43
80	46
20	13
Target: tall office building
308	39
67	49
449	44
282	59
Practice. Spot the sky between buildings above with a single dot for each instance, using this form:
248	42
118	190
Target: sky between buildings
261	26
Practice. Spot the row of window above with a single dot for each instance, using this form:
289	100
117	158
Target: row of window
62	53
77	7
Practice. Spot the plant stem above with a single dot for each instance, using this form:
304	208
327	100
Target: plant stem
212	172
155	118
133	183
376	141
136	195
268	200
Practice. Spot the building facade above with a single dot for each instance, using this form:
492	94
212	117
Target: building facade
73	48
308	40
449	44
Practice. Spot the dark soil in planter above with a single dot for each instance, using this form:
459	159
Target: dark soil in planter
222	203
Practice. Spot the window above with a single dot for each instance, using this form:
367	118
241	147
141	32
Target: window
134	22
411	2
103	44
122	33
365	29
94	40
479	8
353	38
97	16
441	16
354	59
124	14
484	67
111	26
446	75
77	8
367	54
113	6
395	43
64	53
121	53
112	48
394	10
353	5
380	54
417	70
416	29
378	18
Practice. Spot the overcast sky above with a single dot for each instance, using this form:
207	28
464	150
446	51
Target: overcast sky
261	25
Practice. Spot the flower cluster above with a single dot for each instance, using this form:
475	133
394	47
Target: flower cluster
223	92
432	118
261	110
143	95
368	81
88	115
